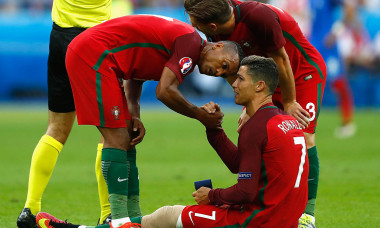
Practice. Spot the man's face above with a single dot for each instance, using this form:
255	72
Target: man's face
243	87
219	62
207	29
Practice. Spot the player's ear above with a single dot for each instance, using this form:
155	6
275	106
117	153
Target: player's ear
218	45
213	26
260	85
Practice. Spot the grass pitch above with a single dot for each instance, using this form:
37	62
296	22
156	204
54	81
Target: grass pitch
173	155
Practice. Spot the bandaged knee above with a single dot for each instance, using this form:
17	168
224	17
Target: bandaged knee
166	216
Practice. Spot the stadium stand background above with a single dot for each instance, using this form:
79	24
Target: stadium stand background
24	40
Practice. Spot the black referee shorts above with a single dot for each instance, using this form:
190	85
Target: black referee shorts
60	96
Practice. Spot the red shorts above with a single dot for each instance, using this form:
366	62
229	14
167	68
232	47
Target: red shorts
310	99
99	99
204	216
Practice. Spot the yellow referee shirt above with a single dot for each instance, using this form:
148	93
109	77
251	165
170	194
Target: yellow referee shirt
80	13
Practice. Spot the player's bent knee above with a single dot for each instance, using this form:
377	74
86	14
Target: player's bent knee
310	140
166	216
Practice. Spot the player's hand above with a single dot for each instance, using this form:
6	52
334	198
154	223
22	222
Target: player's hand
301	115
138	131
212	118
210	107
244	117
201	196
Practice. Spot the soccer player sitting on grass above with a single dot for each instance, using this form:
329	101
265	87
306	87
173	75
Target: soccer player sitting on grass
270	160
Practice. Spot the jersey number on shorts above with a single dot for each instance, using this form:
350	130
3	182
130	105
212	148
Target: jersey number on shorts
311	108
301	141
211	217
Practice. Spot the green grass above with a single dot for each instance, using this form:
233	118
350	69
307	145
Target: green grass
173	155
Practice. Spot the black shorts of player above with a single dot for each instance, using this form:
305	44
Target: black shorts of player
60	96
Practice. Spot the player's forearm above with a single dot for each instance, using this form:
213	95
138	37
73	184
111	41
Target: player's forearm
226	149
246	189
174	100
133	90
287	85
233	195
286	77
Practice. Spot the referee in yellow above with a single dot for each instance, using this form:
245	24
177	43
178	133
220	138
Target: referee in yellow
70	18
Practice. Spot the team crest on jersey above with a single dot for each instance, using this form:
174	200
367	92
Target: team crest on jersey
185	63
115	112
245	176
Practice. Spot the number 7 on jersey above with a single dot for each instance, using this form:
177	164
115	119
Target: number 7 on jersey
300	140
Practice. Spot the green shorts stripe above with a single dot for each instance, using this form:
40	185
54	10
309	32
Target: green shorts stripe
98	75
125	47
99	98
303	52
319	104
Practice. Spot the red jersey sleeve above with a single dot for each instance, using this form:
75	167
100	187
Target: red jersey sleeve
247	158
185	54
226	149
264	23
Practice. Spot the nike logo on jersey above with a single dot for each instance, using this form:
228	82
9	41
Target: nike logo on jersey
191	219
121	180
210	217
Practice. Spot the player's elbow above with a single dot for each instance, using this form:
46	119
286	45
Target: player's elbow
247	197
162	93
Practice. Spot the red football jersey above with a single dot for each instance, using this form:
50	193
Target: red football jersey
140	46
272	166
262	28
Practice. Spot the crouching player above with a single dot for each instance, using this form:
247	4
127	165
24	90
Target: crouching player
270	160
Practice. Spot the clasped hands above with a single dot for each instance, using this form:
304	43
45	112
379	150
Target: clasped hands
212	118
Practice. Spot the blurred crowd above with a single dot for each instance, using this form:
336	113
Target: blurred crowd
41	6
348	30
355	45
353	40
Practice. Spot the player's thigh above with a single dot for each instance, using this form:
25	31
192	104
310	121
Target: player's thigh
204	216
60	97
99	99
310	99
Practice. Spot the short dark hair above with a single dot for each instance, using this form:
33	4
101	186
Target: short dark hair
208	11
262	69
231	45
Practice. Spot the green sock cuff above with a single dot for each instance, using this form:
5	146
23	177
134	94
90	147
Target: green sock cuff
310	207
131	155
134	206
115	155
312	151
136	219
119	206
